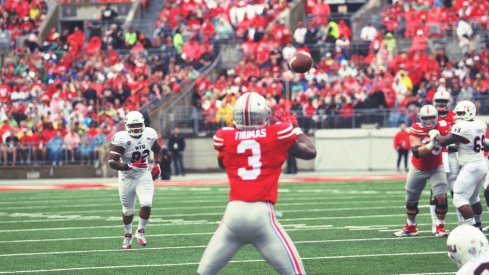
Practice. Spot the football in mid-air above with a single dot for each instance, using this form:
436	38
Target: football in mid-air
300	62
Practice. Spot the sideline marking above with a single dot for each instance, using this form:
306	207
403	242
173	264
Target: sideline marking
196	183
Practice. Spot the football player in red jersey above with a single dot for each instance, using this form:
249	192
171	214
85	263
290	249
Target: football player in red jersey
253	153
427	165
441	101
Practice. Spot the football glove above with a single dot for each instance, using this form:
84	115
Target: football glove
433	134
155	171
286	117
138	164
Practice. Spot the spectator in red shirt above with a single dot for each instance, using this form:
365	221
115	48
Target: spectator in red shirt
420	42
402	145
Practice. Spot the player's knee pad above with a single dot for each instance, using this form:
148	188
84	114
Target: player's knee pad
441	206
459	200
127	211
412	208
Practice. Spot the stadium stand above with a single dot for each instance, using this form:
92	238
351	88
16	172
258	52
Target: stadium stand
78	83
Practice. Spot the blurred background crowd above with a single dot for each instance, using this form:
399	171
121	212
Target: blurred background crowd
62	97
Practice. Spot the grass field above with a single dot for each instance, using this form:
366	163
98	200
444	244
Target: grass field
338	228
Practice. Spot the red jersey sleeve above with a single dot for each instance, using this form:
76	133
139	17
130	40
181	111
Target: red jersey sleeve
219	143
286	133
417	131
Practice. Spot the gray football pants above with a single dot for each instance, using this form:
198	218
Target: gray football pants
250	223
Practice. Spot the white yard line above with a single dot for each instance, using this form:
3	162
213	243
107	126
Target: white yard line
172	200
322	201
197	246
236	261
290	228
431	273
204	222
57	214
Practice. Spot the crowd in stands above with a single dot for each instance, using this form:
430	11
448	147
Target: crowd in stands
61	98
65	95
22	17
380	76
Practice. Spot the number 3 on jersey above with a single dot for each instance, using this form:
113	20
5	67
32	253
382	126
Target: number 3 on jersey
253	160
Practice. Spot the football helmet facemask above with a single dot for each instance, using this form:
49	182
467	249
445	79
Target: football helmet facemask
465	110
251	111
134	124
465	243
441	101
428	116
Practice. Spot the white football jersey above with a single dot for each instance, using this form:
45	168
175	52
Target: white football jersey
474	131
135	149
476	266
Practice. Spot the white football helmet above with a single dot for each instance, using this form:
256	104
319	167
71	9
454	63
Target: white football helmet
465	243
134	124
441	100
428	116
251	111
465	110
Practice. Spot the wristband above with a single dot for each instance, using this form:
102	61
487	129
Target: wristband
430	145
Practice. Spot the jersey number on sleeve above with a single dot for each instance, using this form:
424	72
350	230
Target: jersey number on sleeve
253	160
136	155
479	143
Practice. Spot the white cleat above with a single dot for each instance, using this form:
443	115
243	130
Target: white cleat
440	231
141	238
407	231
126	243
485	229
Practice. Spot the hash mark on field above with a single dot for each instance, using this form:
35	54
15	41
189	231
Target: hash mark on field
235	261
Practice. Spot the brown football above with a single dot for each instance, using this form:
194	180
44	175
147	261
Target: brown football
300	62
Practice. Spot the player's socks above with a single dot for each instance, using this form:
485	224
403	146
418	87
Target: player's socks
478	221
470	221
478	218
128	228
411	222
461	219
434	218
142	223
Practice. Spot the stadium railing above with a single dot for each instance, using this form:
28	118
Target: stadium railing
202	123
42	153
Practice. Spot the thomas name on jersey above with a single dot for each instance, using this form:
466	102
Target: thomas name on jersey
251	134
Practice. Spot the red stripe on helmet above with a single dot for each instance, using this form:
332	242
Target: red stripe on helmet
247	111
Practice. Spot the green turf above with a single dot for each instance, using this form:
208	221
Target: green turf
338	228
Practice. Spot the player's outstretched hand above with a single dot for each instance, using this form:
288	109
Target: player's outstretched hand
139	164
286	117
433	134
155	171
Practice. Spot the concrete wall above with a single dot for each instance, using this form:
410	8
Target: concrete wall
355	149
47	171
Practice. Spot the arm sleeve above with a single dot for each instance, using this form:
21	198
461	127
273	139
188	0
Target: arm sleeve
218	139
